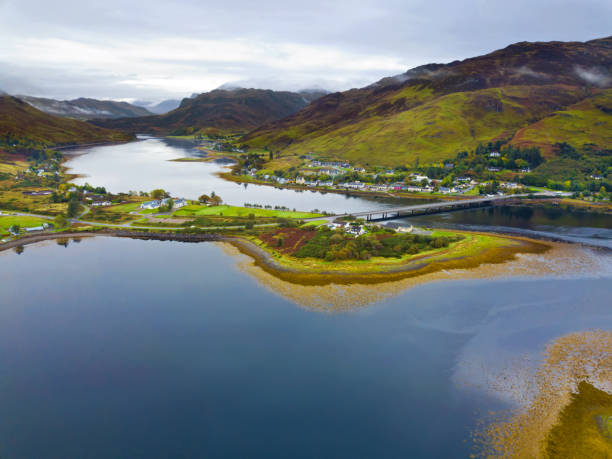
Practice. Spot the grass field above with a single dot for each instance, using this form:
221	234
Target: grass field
24	222
129	207
314	223
233	211
16	200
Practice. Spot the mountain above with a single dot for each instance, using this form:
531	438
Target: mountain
221	110
85	109
432	112
22	124
310	95
158	109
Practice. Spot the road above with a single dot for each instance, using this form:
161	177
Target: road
396	212
440	206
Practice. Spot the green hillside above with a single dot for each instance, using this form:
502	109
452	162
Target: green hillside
436	129
586	122
533	93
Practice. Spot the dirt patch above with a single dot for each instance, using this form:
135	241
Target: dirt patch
293	239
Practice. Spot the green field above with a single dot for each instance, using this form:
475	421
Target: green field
314	223
24	222
233	211
129	207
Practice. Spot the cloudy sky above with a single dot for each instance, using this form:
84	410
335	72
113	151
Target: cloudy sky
158	49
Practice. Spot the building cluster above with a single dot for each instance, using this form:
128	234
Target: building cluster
349	228
325	174
157	203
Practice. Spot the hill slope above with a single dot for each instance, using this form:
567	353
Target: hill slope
22	124
434	111
221	110
86	108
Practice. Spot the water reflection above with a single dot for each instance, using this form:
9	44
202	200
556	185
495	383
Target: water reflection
562	260
147	164
554	222
146	348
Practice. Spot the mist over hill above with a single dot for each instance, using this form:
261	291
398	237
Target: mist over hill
160	108
84	108
23	125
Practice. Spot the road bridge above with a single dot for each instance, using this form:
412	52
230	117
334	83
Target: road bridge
438	207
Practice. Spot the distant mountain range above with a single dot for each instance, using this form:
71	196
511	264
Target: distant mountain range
532	94
221	110
21	124
160	108
85	109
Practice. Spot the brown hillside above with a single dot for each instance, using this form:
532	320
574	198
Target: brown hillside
19	120
238	110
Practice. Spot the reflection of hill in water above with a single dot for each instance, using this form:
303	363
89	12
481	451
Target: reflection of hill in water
563	259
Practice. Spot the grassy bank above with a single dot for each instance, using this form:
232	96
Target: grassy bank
22	221
234	211
471	251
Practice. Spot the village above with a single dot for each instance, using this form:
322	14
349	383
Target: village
332	175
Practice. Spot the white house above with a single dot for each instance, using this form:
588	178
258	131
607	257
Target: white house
179	202
150	204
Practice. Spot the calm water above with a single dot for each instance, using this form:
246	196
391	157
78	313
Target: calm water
125	348
573	226
146	164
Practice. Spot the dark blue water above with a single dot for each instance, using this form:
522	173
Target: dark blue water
545	221
125	348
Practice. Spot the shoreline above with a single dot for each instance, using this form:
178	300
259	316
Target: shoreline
418	266
360	194
265	260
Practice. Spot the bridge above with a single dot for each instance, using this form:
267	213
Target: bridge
437	207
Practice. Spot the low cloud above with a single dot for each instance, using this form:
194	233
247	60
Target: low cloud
594	76
526	71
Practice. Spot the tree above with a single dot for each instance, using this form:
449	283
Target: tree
204	199
158	194
73	208
168	206
60	221
15	229
215	200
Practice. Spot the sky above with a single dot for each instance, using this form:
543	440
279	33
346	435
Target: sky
158	49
